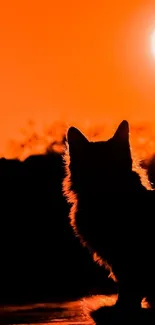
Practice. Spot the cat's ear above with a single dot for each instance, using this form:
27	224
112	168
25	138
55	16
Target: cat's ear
122	133
76	139
75	136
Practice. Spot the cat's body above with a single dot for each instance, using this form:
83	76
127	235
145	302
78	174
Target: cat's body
110	211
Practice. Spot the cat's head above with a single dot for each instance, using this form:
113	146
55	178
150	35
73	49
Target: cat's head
101	165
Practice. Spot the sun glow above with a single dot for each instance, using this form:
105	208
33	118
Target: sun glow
153	43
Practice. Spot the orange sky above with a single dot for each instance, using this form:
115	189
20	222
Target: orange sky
76	61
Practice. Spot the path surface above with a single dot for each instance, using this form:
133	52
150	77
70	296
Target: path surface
67	313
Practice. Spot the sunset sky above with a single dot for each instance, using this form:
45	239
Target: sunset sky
75	61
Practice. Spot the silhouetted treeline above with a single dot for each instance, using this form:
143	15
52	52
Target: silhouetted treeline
40	257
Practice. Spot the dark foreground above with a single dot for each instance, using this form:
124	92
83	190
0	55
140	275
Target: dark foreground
37	240
74	312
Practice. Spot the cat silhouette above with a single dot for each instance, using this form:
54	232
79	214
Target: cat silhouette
111	211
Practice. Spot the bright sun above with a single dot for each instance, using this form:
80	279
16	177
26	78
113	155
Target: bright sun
153	43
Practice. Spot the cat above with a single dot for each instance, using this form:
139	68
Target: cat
110	211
